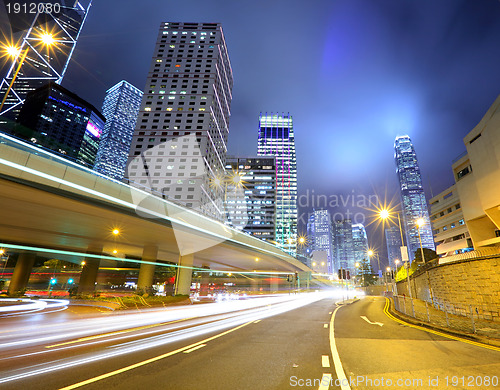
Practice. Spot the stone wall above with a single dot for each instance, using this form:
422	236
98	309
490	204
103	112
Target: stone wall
460	285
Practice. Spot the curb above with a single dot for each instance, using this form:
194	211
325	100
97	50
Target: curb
473	337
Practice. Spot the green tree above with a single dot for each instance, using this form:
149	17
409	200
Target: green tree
366	274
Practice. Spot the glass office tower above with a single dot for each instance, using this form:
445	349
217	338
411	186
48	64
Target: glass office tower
276	138
120	108
413	200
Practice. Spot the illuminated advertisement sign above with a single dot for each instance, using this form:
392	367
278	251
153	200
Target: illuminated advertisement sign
93	129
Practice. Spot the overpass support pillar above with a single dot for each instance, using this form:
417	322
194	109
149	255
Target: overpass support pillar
22	272
147	271
184	274
204	282
88	277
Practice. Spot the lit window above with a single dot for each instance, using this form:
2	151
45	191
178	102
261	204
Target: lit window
147	109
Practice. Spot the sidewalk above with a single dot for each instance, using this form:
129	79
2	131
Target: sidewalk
425	314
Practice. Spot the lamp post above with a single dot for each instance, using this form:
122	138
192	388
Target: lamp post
384	214
46	38
420	223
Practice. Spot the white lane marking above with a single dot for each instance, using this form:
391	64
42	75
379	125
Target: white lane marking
325	325
195	348
325	361
325	382
256	322
339	370
372	323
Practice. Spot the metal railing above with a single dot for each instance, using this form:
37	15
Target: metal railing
466	319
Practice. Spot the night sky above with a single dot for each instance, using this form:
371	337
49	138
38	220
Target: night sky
352	73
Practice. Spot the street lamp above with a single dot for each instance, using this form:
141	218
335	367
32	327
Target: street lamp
385	214
420	223
46	38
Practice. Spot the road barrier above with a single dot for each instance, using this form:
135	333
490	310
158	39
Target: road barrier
446	315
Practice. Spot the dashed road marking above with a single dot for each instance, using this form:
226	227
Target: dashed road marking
325	361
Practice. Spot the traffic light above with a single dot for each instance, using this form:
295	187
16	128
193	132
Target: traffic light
70	281
53	281
343	274
348	275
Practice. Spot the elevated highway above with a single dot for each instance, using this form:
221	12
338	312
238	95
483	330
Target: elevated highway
48	203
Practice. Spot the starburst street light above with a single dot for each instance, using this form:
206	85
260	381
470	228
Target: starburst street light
47	39
12	51
420	222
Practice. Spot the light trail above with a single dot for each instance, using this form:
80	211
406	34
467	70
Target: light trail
265	309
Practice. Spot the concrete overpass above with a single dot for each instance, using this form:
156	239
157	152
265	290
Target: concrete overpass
49	202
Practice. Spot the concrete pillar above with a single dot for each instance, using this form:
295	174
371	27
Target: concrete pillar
184	275
147	271
204	282
22	272
88	277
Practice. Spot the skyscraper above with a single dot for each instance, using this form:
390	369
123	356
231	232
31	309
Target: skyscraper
276	138
359	243
180	140
321	235
47	44
393	240
58	119
413	200
343	244
120	108
255	211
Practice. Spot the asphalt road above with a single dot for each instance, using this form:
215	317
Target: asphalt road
285	343
407	356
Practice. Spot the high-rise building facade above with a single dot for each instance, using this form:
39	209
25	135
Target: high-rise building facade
343	244
47	43
450	231
359	243
276	138
393	241
120	108
58	119
180	140
413	200
254	211
320	234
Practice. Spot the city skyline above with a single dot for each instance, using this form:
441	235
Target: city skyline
337	56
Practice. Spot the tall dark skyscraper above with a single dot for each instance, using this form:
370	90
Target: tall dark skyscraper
254	211
393	240
47	44
359	243
343	243
180	141
120	108
413	200
58	119
276	138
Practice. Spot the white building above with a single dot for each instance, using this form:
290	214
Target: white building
477	176
450	232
